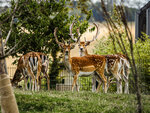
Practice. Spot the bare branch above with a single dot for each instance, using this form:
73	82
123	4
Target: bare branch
14	52
12	49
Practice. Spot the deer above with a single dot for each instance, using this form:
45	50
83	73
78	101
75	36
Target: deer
116	64
84	52
44	69
82	66
29	65
21	70
125	71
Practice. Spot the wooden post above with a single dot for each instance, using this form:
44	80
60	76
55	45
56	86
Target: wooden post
137	34
148	21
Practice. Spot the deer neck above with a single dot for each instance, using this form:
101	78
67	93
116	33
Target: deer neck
67	62
85	53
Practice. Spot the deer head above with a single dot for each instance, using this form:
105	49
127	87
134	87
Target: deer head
65	46
83	44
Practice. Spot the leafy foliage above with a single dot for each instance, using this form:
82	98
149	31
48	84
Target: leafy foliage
34	25
141	52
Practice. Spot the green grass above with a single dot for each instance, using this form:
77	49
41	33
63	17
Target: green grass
82	102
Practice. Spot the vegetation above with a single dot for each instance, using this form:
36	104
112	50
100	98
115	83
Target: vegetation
35	22
141	52
77	102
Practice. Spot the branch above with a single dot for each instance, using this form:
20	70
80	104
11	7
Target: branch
11	23
11	13
13	48
14	52
8	35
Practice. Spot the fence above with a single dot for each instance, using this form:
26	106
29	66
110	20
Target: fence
11	71
64	80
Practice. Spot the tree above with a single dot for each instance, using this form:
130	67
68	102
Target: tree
8	101
35	23
120	27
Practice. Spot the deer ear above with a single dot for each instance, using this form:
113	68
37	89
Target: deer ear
87	43
72	46
61	46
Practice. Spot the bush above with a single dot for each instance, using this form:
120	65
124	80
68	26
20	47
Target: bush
107	45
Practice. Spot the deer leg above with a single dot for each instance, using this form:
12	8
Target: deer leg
116	74
93	83
37	77
74	81
108	81
120	88
40	80
33	79
126	90
98	87
125	78
125	73
25	83
48	81
77	87
103	78
99	82
30	84
35	84
119	84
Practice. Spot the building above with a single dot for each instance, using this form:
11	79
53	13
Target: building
142	21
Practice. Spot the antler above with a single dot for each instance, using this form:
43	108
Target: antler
94	37
59	43
97	32
72	35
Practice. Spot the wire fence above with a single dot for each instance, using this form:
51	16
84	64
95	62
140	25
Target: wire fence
11	71
63	82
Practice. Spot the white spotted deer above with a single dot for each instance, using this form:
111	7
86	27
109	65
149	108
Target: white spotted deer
83	51
29	65
44	69
79	66
117	65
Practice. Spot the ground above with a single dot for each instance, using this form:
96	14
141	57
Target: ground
78	102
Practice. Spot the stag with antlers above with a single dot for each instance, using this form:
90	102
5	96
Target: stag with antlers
117	65
79	66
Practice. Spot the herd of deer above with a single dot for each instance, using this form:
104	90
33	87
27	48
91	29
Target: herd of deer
101	67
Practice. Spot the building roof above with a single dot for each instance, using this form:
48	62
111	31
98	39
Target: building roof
145	7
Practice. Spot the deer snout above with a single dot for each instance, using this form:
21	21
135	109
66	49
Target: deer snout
81	49
66	52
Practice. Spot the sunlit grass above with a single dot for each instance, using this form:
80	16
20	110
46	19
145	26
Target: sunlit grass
82	102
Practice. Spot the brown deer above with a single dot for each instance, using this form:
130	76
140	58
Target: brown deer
22	70
83	51
79	66
125	71
115	63
29	65
44	69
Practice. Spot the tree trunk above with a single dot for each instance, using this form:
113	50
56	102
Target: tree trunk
8	100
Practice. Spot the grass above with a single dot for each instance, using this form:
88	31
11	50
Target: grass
82	102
